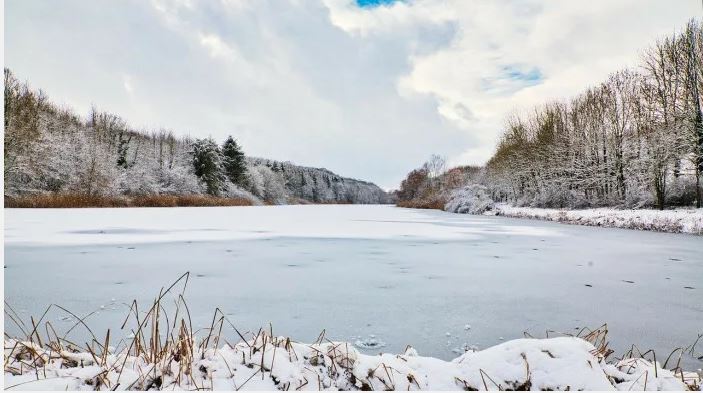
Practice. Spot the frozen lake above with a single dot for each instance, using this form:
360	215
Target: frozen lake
399	276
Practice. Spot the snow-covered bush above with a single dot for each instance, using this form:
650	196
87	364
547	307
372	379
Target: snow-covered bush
472	199
267	184
233	191
559	198
138	180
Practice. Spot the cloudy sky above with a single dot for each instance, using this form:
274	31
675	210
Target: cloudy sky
366	88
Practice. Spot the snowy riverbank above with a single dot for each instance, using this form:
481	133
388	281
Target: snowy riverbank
674	221
272	363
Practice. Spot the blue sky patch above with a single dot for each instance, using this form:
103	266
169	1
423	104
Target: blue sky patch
519	73
512	78
374	3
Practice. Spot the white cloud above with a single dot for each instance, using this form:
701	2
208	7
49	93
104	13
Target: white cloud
366	92
216	47
568	45
127	83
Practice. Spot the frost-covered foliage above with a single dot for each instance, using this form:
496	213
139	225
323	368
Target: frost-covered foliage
283	179
208	163
472	199
431	186
265	362
51	150
675	221
635	140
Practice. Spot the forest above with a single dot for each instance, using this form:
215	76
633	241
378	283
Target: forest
51	153
633	141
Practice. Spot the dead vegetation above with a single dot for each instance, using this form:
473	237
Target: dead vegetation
83	201
431	203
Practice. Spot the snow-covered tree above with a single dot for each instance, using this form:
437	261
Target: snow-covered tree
233	162
208	164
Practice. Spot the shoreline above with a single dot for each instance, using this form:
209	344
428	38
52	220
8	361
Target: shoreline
678	220
688	221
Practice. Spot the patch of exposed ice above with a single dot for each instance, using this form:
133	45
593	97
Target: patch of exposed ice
371	342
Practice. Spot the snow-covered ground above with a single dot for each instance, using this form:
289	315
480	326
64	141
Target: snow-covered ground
276	363
378	277
675	221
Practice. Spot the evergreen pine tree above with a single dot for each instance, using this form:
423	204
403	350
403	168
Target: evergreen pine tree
122	147
233	162
207	162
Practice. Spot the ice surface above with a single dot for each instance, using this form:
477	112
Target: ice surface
404	276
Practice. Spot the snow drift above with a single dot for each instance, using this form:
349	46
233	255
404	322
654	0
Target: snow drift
266	362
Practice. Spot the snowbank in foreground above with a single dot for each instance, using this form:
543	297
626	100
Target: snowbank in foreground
272	363
675	221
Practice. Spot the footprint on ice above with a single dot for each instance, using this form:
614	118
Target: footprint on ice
370	343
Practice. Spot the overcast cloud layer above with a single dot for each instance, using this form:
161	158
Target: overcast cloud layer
368	92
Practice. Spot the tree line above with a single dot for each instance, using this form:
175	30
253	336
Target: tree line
634	140
50	149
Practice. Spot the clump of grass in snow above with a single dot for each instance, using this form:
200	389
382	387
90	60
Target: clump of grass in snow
165	352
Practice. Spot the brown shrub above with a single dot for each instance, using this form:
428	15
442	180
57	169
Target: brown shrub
437	204
208	200
64	200
80	201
